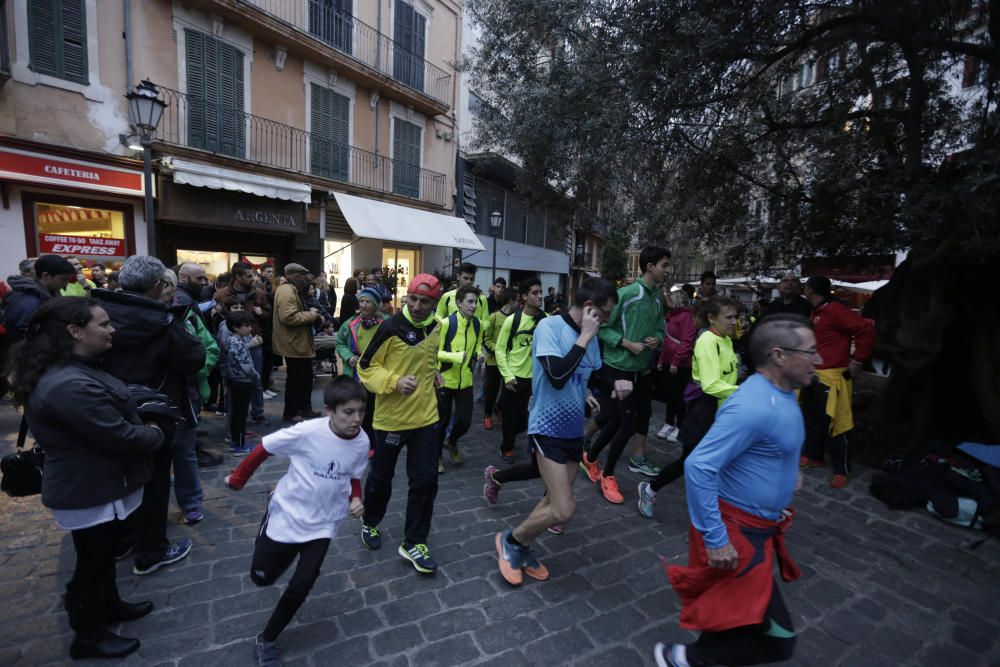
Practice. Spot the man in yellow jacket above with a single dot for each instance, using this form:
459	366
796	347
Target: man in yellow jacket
461	342
292	338
400	367
449	302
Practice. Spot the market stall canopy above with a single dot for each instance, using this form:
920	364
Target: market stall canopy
865	287
373	219
201	175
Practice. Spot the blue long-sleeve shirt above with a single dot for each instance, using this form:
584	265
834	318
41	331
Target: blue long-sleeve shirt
749	458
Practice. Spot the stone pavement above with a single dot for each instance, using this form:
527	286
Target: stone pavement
879	587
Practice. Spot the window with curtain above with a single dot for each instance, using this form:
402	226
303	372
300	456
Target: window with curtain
330	138
215	118
406	144
57	39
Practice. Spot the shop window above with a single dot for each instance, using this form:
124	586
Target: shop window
338	264
57	39
403	264
90	234
406	145
216	120
330	133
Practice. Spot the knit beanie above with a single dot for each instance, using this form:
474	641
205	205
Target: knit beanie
371	293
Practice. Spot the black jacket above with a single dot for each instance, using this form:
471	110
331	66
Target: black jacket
151	347
26	296
96	448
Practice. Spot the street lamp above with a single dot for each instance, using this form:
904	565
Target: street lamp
496	222
145	109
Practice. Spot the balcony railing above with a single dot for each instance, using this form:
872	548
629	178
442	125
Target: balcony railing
583	259
361	42
195	123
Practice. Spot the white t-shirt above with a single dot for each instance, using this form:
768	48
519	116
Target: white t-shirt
312	498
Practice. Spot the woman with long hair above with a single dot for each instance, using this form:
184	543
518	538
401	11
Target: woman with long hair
675	360
714	371
349	302
96	459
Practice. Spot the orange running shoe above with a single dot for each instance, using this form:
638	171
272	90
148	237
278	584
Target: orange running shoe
609	489
806	463
533	568
509	560
488	423
593	472
838	481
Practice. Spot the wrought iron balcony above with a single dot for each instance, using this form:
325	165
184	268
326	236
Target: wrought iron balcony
196	123
360	41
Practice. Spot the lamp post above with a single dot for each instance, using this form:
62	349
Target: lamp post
496	222
145	109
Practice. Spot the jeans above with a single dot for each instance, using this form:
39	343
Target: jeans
187	480
421	472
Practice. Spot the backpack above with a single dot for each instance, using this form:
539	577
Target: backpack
453	331
517	323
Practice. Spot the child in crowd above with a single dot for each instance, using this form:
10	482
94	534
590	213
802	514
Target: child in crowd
242	376
322	485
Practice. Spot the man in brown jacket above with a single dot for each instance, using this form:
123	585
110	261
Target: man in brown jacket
293	339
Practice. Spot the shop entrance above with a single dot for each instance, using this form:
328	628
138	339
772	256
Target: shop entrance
216	262
403	263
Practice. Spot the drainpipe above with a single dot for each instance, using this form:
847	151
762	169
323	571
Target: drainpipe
378	58
127	34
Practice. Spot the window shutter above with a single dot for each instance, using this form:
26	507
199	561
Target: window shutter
331	133
232	126
406	158
417	47
42	36
403	34
340	132
320	144
74	41
194	55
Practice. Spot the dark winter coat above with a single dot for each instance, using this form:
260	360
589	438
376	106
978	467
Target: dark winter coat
96	447
27	295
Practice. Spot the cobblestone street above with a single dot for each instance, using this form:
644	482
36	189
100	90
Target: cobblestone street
880	588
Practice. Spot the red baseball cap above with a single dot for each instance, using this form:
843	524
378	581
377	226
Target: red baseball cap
424	284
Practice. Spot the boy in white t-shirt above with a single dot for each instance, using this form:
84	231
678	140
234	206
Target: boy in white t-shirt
322	485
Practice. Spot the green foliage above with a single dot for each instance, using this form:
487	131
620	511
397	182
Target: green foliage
614	259
688	121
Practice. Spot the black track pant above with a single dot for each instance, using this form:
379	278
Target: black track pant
421	470
493	383
676	407
271	559
240	395
629	416
459	403
298	387
514	405
699	418
818	438
770	641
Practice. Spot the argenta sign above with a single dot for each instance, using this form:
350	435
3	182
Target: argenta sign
205	207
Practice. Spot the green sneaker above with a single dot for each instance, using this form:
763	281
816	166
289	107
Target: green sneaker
419	557
643	467
370	537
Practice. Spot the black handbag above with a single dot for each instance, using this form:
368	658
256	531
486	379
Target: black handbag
22	470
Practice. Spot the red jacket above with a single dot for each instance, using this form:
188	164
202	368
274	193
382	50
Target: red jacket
714	600
678	343
836	326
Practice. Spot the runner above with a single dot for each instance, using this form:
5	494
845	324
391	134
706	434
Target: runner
400	367
508	299
634	331
565	354
740	480
461	340
322	485
513	351
449	303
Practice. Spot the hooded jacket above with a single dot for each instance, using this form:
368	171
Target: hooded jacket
151	347
458	356
27	295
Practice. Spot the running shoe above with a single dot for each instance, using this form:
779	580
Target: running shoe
175	552
507	457
643	467
806	463
509	559
645	500
488	423
838	481
491	490
268	394
440	466
192	516
593	472
260	419
240	451
532	567
609	489
419	557
664	433
267	652
370	537
557	528
670	655
456	457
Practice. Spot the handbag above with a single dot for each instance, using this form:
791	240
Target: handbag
22	470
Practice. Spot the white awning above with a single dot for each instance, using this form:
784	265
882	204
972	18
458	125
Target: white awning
217	178
373	219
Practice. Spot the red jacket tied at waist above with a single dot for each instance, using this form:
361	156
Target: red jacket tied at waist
716	600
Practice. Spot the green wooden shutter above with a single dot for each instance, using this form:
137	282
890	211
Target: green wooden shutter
408	50
331	133
216	121
406	144
57	39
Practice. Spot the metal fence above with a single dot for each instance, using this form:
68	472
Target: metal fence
196	123
361	42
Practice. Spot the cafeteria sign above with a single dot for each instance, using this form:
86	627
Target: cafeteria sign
58	244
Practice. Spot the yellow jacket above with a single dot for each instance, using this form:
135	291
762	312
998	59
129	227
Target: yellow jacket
292	325
402	347
458	361
447	305
838	401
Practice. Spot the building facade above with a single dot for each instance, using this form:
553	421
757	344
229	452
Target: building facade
280	116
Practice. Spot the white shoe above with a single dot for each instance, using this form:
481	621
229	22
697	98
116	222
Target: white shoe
674	432
268	394
664	433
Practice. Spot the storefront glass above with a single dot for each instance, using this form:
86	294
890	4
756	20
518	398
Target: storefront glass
337	262
407	263
90	234
215	263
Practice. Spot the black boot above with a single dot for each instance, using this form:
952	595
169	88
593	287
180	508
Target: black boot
87	617
119	611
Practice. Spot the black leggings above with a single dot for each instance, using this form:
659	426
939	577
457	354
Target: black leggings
750	644
271	559
93	583
493	383
699	418
514	405
628	416
461	400
519	473
675	384
818	438
240	395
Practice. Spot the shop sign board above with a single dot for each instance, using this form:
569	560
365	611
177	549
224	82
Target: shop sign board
60	244
38	168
